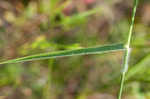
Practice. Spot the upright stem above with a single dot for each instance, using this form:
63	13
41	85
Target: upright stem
127	50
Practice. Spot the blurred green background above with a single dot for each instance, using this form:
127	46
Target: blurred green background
29	27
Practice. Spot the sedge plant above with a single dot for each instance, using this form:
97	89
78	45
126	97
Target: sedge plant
91	50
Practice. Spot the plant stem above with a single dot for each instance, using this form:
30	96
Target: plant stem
125	69
127	50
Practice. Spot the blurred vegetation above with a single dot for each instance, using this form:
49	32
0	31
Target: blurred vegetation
34	26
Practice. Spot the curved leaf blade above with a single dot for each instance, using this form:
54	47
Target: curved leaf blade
82	51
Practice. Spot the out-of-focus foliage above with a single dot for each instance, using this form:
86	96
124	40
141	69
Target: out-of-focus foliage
34	26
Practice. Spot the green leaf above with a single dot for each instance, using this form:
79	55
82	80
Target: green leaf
82	51
140	67
79	18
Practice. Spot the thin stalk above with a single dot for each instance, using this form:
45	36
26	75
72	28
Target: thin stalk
127	50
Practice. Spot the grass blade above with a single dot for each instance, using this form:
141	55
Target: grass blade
79	18
140	67
83	51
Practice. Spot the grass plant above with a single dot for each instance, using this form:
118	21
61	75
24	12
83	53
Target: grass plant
92	50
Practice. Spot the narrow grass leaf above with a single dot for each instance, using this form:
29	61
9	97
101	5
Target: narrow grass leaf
82	51
140	67
80	17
